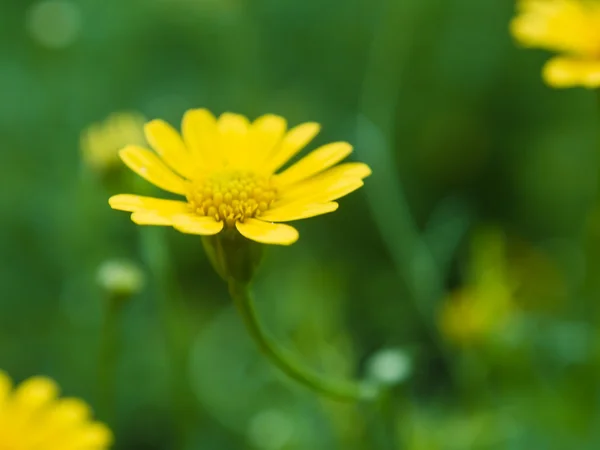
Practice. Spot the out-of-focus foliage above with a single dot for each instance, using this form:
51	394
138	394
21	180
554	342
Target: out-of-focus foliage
483	197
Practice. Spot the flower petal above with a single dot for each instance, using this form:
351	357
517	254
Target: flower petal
168	144
90	436
294	141
315	162
132	203
148	166
560	25
199	128
318	194
267	233
160	218
67	413
321	183
193	224
34	394
233	137
5	387
265	133
297	211
562	72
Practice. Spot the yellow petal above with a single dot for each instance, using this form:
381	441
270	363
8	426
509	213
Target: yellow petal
350	172
132	203
148	210
193	224
95	436
34	393
233	136
148	166
297	211
199	128
315	162
69	411
328	193
294	141
67	416
267	233
152	218
5	387
568	26
562	72
168	144
265	133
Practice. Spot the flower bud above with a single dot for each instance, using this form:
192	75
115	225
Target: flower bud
389	367
120	279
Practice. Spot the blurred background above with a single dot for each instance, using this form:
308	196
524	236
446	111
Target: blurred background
463	275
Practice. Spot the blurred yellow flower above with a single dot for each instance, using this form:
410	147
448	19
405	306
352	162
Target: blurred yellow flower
569	27
32	417
226	168
486	303
101	142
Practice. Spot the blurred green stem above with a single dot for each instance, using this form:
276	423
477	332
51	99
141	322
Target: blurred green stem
336	389
108	356
389	57
176	332
381	417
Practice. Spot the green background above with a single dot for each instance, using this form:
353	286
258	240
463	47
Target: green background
461	135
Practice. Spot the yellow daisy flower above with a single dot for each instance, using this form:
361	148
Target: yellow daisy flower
569	27
486	303
101	142
32	417
226	169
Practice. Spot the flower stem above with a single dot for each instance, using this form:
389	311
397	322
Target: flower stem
410	252
336	389
109	351
381	419
176	334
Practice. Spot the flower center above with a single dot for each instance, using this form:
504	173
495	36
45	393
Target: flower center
231	196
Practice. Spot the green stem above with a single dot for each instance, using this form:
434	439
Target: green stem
381	421
176	332
410	253
109	352
336	389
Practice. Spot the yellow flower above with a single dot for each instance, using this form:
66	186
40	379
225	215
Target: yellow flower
569	27
226	169
486	304
101	142
471	314
32	417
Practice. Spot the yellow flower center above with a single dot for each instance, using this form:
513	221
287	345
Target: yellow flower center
231	196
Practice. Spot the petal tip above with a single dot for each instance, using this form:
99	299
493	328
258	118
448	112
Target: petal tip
347	145
265	232
366	171
316	126
198	112
112	201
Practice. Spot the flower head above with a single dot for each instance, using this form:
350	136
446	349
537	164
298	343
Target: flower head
486	304
101	142
226	169
569	27
32	417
